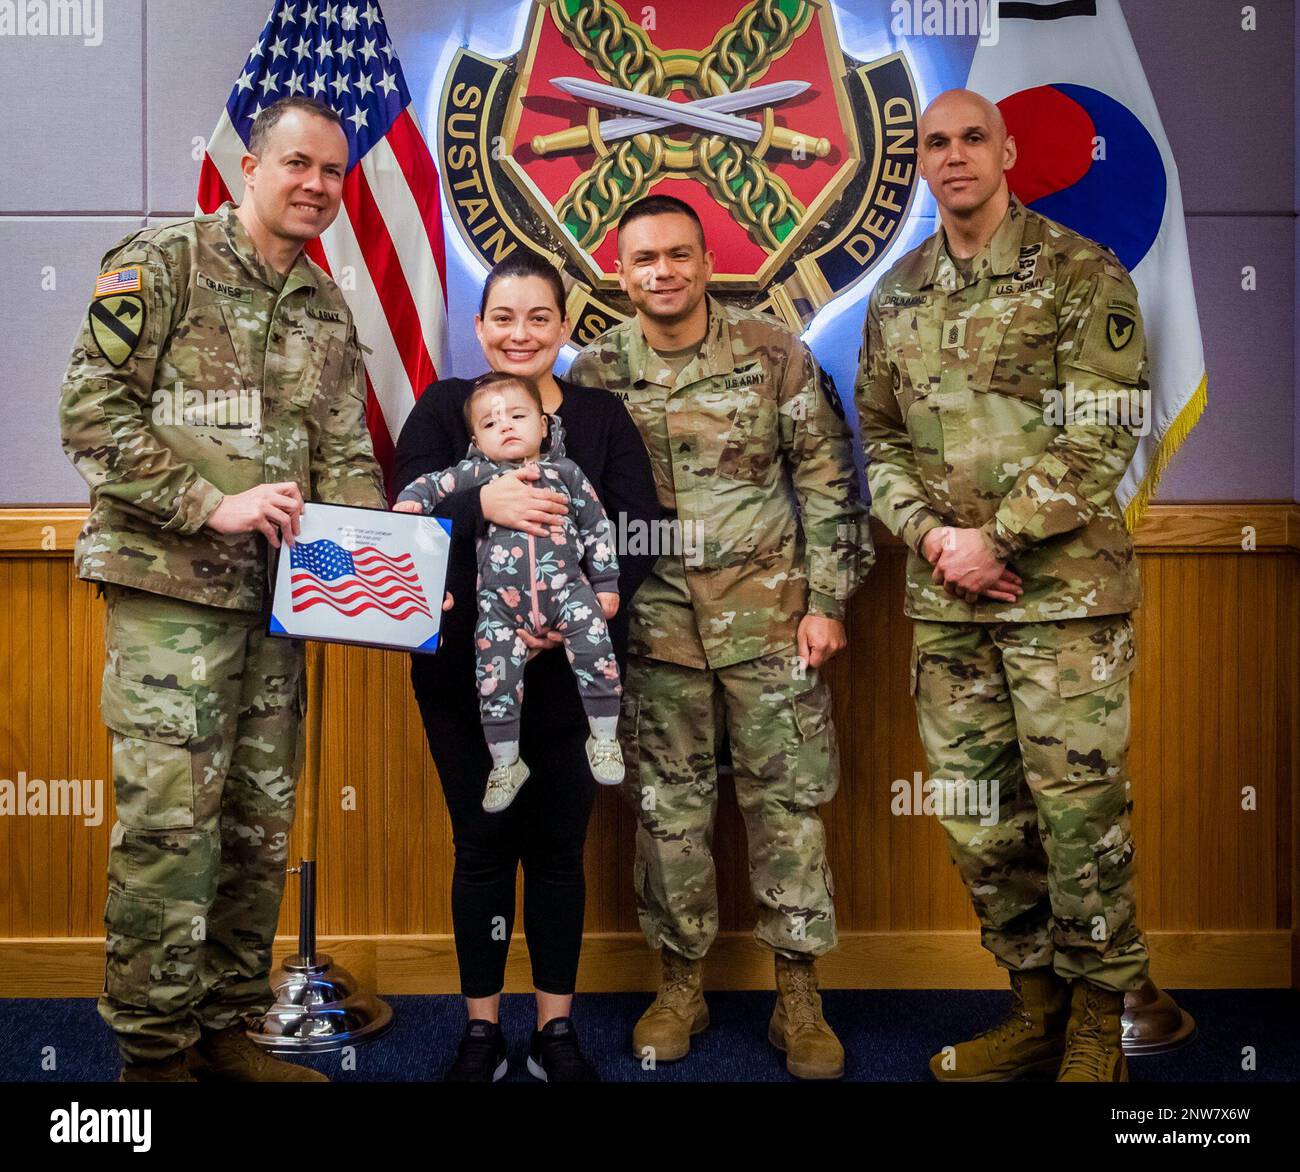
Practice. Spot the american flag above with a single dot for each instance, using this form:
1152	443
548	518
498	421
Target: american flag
118	281
324	573
388	235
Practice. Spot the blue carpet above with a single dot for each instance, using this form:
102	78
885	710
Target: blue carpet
888	1035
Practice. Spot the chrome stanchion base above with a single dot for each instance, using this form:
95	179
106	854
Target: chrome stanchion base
318	1008
1154	1022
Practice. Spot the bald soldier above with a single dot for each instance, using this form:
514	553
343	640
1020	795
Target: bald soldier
753	459
1001	364
216	384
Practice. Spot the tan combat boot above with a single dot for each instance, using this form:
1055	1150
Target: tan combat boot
1027	1043
229	1056
1093	1045
798	1028
173	1069
677	1012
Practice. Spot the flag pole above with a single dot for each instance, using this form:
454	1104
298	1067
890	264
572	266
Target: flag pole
318	1006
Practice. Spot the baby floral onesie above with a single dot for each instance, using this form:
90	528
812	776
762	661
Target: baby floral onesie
537	581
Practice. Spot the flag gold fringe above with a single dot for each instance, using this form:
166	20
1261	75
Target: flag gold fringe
1169	443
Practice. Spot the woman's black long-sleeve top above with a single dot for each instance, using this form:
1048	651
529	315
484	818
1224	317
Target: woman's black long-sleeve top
600	437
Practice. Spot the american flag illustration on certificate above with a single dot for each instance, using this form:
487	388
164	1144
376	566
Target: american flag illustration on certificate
363	576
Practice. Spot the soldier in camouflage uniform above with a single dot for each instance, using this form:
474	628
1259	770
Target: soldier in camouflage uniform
1002	366
753	459
217	380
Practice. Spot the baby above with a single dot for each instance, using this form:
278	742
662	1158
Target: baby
534	580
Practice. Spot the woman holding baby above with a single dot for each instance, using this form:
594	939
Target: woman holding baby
513	501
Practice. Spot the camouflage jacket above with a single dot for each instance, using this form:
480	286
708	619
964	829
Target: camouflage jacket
199	372
750	449
1008	401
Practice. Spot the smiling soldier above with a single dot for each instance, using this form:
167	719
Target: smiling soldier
187	498
750	451
1021	577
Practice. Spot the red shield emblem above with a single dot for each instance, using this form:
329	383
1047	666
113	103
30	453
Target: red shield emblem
800	169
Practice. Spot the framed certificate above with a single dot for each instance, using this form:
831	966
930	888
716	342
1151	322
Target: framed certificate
364	576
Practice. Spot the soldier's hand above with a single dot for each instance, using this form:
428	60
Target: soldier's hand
934	543
1008	588
967	568
608	603
273	510
408	507
512	502
820	639
447	601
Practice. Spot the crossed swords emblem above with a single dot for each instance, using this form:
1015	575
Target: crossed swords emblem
712	115
633	149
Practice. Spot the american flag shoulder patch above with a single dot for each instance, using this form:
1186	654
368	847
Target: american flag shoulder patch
127	280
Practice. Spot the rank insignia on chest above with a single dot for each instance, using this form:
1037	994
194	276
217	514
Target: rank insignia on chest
954	333
116	324
1027	263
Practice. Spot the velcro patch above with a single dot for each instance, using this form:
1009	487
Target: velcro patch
1120	328
1027	262
128	280
222	289
116	325
1111	343
829	393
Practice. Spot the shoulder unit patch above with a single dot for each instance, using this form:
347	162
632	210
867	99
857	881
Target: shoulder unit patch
116	324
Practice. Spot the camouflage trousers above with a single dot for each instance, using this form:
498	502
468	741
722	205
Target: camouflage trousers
205	712
786	765
1039	713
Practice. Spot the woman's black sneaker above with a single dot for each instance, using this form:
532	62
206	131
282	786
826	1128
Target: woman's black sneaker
482	1054
554	1055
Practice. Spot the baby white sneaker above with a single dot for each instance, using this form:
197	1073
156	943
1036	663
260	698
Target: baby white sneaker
503	783
606	761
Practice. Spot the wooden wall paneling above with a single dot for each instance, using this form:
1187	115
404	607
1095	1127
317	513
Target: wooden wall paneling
1215	708
1262	858
88	754
61	967
10	754
1182	890
837	817
369	848
1249	702
49	703
22	875
1221	815
1145	759
1288	752
857	710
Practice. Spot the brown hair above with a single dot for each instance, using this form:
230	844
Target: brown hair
499	380
523	263
266	121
